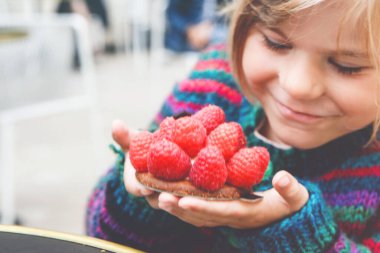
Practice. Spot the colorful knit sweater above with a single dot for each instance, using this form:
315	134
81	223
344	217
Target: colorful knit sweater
343	180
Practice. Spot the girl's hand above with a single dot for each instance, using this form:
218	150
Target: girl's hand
285	198
122	137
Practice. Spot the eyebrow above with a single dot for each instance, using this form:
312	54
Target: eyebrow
351	53
279	32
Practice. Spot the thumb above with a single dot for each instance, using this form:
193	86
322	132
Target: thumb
121	134
294	193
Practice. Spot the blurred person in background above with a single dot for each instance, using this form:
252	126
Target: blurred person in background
194	24
91	10
86	8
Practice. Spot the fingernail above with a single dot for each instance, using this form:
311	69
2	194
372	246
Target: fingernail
164	206
283	181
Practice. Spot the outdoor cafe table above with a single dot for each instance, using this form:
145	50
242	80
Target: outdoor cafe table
20	239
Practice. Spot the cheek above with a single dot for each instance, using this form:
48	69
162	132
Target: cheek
358	103
258	65
360	115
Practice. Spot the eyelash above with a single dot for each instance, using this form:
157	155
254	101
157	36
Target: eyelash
341	69
344	70
274	45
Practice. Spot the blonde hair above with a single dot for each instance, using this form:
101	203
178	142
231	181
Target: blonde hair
246	13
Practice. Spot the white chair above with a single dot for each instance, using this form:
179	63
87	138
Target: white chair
147	21
28	54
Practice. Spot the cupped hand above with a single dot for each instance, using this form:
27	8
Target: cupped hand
122	136
285	198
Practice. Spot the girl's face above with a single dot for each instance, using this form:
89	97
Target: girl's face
312	89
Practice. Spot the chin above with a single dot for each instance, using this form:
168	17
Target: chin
303	141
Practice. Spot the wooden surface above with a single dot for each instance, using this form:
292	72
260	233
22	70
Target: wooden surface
9	35
19	239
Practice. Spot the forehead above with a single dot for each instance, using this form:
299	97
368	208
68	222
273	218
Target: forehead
326	23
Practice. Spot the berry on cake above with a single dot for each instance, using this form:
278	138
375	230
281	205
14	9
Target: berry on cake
198	155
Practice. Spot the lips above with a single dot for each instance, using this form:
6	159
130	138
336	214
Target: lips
294	115
299	112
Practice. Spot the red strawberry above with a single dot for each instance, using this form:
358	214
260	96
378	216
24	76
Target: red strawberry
247	167
211	116
228	137
139	149
168	161
209	170
190	135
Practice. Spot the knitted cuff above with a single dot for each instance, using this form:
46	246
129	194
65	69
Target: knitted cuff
312	229
128	205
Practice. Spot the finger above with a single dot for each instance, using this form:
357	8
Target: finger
169	203
120	134
219	212
153	200
131	184
221	208
294	193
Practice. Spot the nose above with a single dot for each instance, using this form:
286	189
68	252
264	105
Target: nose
301	78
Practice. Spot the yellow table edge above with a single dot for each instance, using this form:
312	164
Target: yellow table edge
85	240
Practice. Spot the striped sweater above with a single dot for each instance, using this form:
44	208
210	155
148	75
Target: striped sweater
343	180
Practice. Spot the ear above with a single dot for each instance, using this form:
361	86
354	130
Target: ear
294	193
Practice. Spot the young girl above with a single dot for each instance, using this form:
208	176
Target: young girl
305	86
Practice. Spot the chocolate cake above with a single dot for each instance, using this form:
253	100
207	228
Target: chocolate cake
185	188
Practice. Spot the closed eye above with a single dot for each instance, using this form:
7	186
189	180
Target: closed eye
345	70
276	46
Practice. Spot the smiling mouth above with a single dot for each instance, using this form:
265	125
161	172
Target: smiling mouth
301	117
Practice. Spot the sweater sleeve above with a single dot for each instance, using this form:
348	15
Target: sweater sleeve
312	229
369	242
117	216
346	244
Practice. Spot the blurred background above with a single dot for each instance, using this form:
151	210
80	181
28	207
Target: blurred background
68	68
